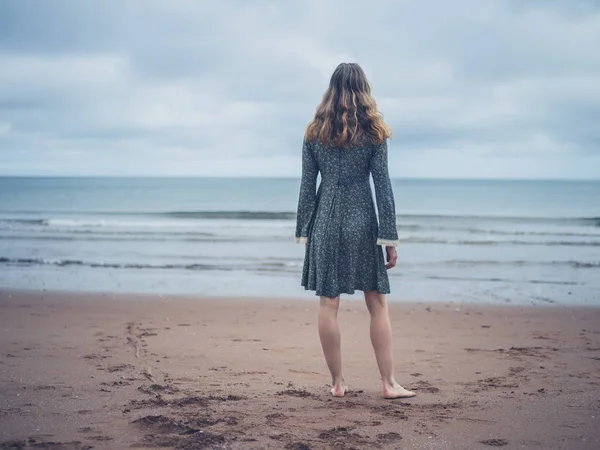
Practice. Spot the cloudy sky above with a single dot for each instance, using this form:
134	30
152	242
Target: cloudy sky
471	88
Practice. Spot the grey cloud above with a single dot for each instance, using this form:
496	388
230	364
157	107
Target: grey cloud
228	87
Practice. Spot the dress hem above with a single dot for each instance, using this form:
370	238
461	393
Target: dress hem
348	292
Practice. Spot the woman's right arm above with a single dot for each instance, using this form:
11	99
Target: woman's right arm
386	208
308	195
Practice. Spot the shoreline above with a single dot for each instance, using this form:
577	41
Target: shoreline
308	299
116	370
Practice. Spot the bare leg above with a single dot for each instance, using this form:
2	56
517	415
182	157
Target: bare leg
381	338
329	333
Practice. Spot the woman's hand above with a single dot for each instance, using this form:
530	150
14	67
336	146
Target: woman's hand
392	256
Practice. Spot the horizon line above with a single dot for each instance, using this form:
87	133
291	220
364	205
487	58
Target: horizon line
253	177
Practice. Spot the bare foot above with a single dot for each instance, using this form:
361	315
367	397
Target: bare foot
339	390
397	391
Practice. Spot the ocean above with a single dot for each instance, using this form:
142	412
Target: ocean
517	242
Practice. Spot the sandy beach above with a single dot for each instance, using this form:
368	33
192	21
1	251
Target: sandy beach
82	371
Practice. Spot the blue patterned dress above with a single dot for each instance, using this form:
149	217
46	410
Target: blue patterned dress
338	221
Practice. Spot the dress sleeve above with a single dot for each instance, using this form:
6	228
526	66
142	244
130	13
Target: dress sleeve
308	194
387	234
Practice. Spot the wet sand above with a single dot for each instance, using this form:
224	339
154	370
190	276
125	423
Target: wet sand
81	371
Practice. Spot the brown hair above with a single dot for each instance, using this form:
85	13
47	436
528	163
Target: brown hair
348	112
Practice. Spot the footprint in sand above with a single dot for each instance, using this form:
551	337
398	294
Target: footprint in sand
296	393
424	386
273	418
94	356
49	445
515	370
389	437
343	435
119	367
297	446
100	438
495	442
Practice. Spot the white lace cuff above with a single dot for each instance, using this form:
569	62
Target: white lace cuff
301	240
388	243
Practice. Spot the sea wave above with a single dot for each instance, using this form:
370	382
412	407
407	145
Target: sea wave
494	232
278	264
511	263
441	241
24	221
585	221
136	223
502	280
225	266
131	237
265	237
291	215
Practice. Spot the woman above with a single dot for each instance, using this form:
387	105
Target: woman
346	143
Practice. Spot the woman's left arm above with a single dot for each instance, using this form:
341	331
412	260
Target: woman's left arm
308	195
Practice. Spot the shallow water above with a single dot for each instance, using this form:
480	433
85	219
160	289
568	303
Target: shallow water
484	241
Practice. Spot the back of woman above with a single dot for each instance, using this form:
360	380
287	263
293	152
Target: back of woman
347	143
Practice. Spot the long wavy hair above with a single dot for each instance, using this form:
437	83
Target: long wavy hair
348	113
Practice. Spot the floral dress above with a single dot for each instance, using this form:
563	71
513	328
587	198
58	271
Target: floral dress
338	222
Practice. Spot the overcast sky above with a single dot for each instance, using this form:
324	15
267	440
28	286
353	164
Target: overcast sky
471	88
